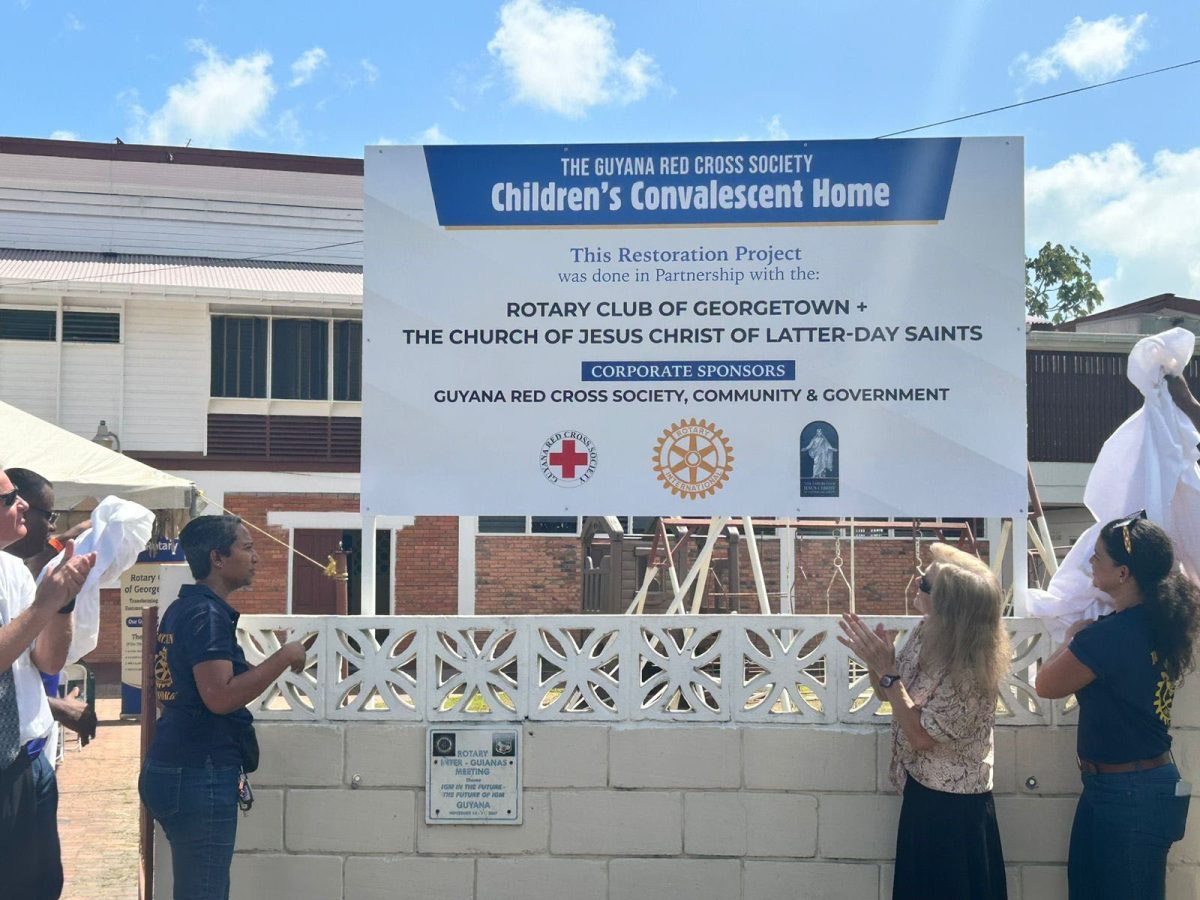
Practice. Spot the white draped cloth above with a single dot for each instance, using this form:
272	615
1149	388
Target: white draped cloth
120	531
1148	463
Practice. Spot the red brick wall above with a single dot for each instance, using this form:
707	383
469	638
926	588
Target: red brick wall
517	574
268	594
527	575
427	567
108	648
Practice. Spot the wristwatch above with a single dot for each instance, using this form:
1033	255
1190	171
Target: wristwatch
887	681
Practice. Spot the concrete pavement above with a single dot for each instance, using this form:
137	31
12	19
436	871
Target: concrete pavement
98	810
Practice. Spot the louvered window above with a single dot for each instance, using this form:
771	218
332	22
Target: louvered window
298	354
299	359
239	356
91	327
347	360
28	325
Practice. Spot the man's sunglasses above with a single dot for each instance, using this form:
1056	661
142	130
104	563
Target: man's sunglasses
1124	525
10	498
51	517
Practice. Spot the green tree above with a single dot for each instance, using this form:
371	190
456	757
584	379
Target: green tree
1059	285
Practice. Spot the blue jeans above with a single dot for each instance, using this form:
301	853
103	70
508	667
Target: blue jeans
19	849
49	878
197	809
1124	826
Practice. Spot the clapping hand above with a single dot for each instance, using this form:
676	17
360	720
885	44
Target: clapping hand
875	648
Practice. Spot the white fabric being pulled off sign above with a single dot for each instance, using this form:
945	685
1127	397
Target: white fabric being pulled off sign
120	531
1148	463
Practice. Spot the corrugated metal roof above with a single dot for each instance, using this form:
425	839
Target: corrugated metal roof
38	270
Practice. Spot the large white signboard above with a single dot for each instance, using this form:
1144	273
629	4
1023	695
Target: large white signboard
822	328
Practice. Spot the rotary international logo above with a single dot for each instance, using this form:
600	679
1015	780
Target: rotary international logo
693	458
568	458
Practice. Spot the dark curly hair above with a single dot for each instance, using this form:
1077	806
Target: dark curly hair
1171	600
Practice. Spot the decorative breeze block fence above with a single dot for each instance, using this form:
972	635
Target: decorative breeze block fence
694	669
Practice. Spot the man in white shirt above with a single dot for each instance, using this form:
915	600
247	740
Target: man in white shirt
32	635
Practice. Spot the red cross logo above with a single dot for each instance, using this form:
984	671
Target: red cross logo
568	459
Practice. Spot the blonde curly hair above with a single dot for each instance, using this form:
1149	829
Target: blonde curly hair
964	634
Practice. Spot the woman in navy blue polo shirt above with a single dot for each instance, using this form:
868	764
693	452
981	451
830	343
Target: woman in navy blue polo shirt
203	683
1124	669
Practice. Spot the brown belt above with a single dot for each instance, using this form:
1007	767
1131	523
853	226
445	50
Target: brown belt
1137	765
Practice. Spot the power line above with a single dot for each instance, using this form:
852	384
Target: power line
260	257
1079	90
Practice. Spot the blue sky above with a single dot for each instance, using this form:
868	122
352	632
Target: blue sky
1115	171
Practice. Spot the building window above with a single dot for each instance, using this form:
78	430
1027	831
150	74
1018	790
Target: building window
554	524
299	359
91	327
298	354
28	325
239	356
347	360
502	525
564	525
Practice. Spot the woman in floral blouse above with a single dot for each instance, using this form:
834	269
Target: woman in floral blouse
942	688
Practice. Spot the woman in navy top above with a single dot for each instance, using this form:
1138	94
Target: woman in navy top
1124	668
203	683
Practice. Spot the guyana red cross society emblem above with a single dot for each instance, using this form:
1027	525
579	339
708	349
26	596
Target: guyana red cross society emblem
568	458
693	458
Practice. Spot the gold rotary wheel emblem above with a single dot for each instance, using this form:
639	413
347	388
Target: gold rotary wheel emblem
162	670
693	458
1164	696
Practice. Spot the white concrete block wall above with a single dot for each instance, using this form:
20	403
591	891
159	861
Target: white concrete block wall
615	811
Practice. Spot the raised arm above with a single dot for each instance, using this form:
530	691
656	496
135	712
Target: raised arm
1184	399
56	589
223	692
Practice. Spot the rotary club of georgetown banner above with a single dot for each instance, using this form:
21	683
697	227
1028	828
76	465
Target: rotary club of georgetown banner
820	328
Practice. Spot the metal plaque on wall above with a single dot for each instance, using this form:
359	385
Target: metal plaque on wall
473	775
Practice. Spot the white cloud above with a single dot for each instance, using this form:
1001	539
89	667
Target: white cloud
221	100
775	129
1146	216
370	71
306	65
433	135
566	60
288	127
1093	51
63	136
73	22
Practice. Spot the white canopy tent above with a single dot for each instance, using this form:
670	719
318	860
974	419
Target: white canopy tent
83	471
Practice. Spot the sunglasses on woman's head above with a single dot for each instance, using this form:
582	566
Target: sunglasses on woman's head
10	498
924	586
1124	525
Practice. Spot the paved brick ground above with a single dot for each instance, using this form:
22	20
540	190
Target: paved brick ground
98	809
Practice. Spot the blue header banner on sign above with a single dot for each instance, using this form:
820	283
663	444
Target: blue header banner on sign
162	550
743	183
